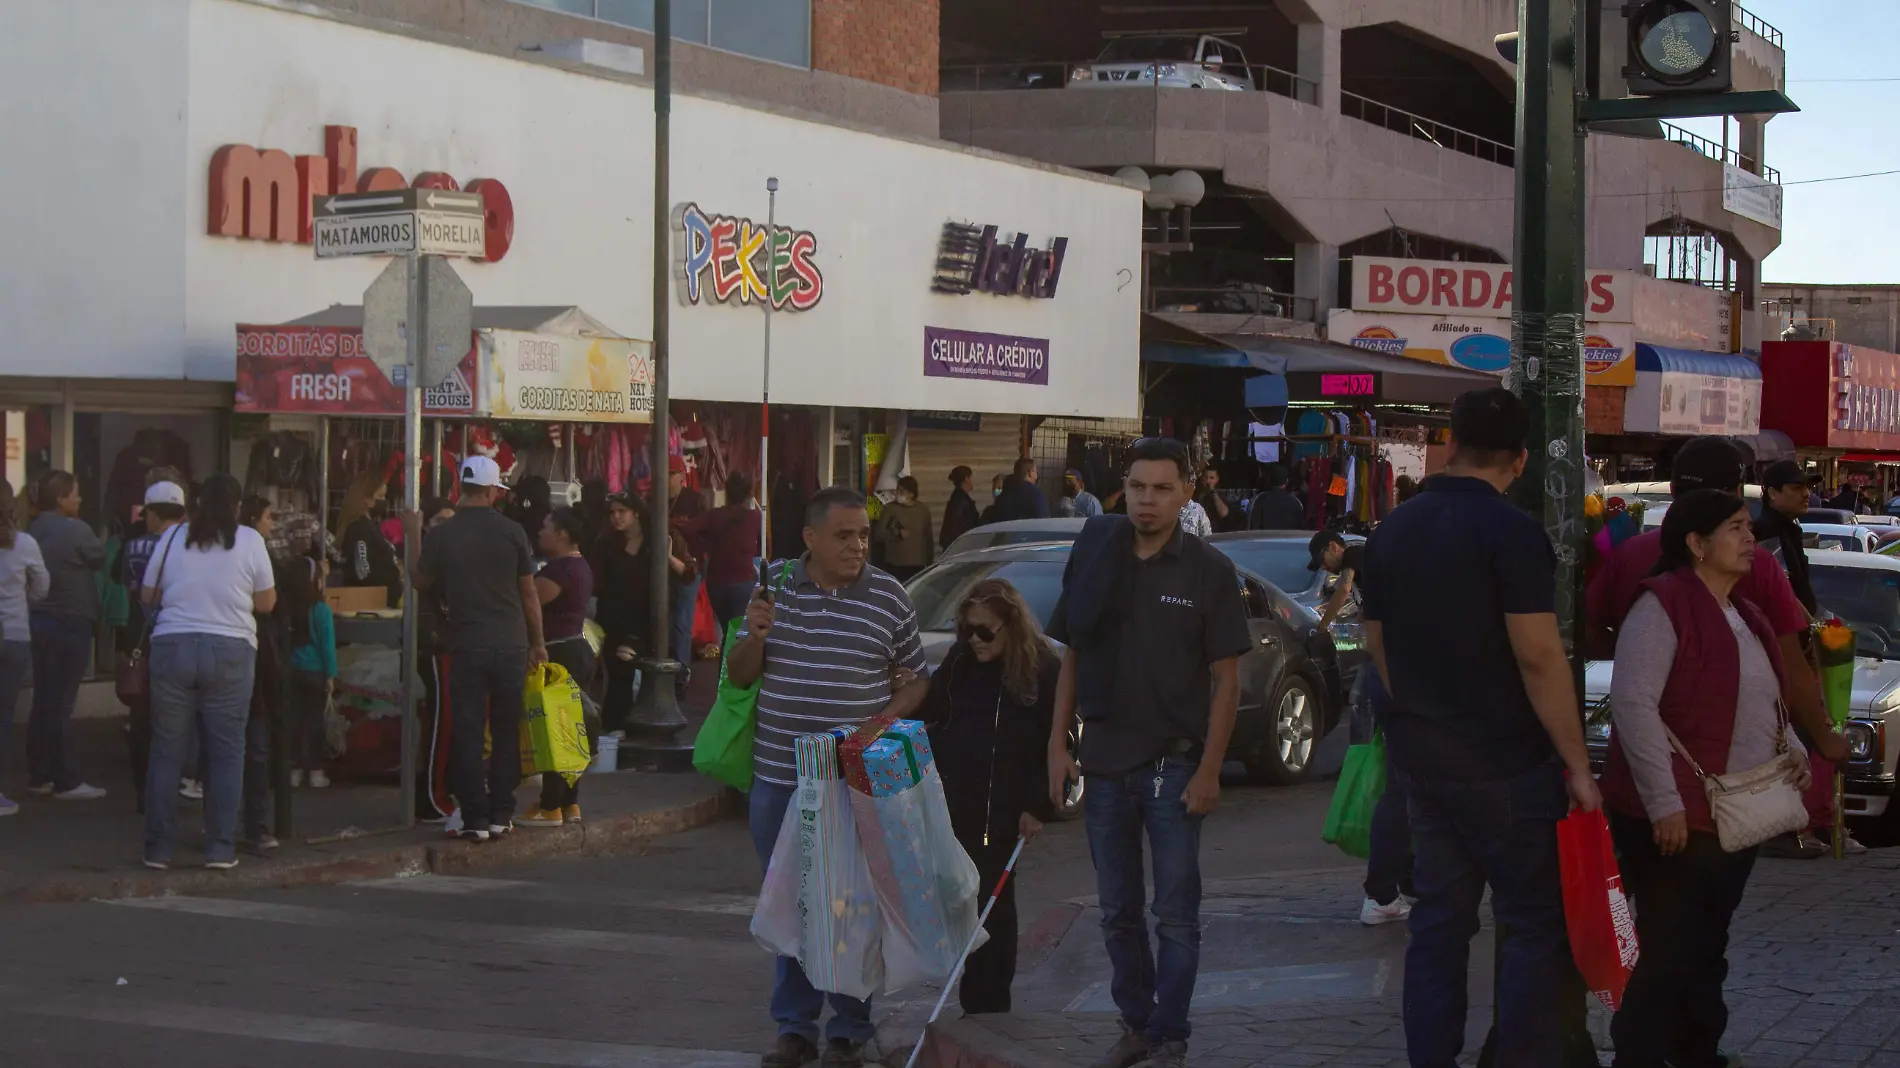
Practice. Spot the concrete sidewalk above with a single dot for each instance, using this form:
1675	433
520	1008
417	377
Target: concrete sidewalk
66	851
1290	980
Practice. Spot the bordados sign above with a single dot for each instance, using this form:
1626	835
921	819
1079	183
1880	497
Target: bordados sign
1444	287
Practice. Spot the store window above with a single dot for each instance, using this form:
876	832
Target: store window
776	30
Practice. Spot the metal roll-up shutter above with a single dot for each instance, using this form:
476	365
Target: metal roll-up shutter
989	450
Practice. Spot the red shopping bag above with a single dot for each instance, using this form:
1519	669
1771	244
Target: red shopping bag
1602	933
705	627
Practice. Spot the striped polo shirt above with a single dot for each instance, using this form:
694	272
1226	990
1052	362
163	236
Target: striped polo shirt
828	661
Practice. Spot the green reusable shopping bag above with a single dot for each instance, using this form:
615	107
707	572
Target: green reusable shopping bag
1361	784
723	749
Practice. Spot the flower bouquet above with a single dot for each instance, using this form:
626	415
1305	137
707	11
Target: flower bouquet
1835	641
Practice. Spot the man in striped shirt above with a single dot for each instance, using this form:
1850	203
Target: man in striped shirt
825	643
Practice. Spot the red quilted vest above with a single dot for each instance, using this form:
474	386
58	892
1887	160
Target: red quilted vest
1698	702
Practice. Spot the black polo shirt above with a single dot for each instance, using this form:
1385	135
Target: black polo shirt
1444	570
1176	613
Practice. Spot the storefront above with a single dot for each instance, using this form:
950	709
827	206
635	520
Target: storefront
1840	407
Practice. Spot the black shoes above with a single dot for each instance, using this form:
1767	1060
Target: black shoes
792	1051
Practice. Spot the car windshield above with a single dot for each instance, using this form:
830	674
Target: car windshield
1868	599
1279	561
937	593
1137	49
1837	543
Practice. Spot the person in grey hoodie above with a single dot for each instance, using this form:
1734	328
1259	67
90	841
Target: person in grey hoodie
62	638
23	579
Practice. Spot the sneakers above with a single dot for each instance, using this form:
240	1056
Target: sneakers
44	789
473	834
191	789
496	830
221	865
1167	1055
792	1051
1799	846
262	843
572	813
296	777
1372	914
540	817
159	865
1849	847
82	792
318	779
843	1053
1129	1050
12	808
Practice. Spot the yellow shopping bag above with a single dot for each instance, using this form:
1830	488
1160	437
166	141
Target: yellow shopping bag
553	725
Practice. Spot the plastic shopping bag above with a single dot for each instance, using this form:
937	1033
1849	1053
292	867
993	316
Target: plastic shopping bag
1602	933
1361	784
837	943
553	725
723	748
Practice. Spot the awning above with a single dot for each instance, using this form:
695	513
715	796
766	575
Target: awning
1168	342
1768	446
1402	380
1657	358
1890	458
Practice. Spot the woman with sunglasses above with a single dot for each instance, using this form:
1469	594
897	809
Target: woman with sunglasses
989	711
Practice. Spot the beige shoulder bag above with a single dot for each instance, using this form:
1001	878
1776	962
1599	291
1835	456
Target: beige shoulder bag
1752	806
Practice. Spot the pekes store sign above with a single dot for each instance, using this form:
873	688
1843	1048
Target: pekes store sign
265	194
1442	287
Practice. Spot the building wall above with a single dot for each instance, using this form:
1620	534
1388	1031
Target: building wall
1866	315
890	42
884	90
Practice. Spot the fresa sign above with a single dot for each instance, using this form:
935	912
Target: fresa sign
1441	287
267	195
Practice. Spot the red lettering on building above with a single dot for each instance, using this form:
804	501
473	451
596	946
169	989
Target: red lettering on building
1445	286
265	195
1603	299
1414	285
1505	293
1477	292
1379	281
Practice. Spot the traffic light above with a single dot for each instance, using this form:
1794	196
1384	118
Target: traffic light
1678	47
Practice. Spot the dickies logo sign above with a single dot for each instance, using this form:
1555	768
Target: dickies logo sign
1380	339
1600	354
724	259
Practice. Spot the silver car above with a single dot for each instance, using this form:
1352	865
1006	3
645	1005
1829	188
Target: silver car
1168	61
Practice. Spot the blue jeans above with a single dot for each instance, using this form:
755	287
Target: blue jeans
202	679
1389	869
16	662
1118	808
485	691
62	646
729	601
796	1004
683	612
1469	834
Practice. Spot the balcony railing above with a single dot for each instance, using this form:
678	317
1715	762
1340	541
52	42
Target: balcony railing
1367	110
1753	24
1713	150
991	77
1234	298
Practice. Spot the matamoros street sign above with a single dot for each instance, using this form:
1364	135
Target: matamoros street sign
427	222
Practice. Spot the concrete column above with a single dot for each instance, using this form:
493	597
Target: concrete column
63	429
1752	142
1319	62
1747	281
1315	278
827	447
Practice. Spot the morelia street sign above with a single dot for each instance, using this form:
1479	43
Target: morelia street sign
265	194
428	222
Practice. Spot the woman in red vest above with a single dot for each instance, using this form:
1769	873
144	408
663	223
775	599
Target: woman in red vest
1694	662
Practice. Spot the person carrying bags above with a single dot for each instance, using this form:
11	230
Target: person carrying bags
1698	701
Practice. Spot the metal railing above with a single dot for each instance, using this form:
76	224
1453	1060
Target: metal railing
998	77
1698	143
1365	109
1753	23
1234	298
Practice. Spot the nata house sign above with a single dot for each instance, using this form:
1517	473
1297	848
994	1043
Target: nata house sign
265	194
724	259
969	258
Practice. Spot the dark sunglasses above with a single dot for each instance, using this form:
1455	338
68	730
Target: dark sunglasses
976	632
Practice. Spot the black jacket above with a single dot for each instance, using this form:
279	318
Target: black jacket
1021	499
991	752
1779	533
959	516
1276	509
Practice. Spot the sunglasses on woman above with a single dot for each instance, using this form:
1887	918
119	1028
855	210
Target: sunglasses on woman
976	632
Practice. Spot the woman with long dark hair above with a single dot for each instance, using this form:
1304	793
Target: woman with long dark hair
564	584
23	579
208	581
1698	684
623	587
62	637
989	711
368	557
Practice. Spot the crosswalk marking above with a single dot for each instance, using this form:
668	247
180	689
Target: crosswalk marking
738	952
351	1034
465	886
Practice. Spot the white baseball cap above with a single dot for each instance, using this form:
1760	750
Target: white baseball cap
165	493
481	471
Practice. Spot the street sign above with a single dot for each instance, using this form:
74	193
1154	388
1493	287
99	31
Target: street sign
429	222
446	307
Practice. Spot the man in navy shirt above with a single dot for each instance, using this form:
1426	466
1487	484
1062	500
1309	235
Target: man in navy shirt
1483	724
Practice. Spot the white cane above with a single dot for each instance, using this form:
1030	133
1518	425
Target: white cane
957	972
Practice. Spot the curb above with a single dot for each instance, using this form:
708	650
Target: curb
598	837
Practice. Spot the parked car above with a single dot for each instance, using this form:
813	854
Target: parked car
1170	61
1291	690
1880	523
1014	532
1839	537
1864	590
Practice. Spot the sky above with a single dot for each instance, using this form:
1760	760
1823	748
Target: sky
1835	231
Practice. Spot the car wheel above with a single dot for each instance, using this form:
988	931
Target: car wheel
1285	756
1072	799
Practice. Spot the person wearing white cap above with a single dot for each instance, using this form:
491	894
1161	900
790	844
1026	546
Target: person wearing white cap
164	509
483	566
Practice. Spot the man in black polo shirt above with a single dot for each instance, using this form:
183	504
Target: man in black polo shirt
1483	724
1153	622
